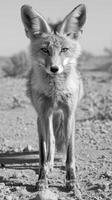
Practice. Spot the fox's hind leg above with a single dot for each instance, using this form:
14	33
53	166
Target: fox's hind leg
69	125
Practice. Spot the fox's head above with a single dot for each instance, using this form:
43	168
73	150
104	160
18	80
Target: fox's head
54	47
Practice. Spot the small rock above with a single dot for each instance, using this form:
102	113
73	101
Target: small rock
8	198
46	195
2	165
28	148
2	185
16	150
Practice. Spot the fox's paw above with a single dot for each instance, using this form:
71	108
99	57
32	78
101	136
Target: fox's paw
70	175
42	173
72	186
42	180
42	184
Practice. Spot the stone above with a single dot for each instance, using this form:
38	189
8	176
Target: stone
46	195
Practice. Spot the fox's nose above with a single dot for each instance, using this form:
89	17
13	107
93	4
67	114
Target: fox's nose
54	69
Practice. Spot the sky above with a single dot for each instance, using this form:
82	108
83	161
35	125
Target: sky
97	32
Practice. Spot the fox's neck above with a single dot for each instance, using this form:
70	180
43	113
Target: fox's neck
54	87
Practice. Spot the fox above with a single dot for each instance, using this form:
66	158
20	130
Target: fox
55	86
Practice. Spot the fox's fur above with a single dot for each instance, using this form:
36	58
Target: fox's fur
55	86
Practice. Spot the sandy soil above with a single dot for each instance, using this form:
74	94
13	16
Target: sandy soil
19	145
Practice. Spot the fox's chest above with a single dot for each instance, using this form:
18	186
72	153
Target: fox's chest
55	86
55	92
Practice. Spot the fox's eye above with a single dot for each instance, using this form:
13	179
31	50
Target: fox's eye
64	50
45	50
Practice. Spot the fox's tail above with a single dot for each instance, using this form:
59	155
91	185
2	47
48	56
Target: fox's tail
58	124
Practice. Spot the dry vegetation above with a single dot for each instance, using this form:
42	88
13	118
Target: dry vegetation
19	142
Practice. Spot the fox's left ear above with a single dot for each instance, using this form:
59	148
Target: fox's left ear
33	22
73	22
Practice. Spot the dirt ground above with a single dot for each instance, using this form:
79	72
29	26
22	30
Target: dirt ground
19	144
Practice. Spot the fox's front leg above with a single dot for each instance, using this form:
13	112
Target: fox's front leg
42	180
50	143
46	147
69	124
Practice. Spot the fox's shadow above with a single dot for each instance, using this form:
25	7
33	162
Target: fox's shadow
8	159
20	161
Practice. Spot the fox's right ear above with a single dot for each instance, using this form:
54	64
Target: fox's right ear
33	22
73	22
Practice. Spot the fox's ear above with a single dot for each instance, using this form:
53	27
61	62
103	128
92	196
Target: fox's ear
33	22
73	22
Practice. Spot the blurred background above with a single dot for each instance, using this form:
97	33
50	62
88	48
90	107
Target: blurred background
96	40
97	31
